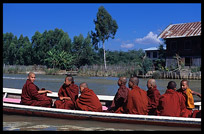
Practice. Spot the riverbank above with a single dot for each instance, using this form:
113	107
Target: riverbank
99	71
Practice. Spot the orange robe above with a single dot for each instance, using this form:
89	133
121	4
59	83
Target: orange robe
88	101
137	101
189	102
30	96
119	99
153	100
71	91
171	104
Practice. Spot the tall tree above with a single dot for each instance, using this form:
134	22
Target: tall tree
105	28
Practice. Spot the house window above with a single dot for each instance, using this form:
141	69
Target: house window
173	45
188	61
187	45
148	54
154	54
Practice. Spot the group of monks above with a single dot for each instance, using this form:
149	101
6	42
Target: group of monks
132	100
67	96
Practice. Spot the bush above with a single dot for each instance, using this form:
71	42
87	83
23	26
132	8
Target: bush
156	75
195	69
50	71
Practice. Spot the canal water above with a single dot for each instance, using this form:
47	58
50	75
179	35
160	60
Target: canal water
100	85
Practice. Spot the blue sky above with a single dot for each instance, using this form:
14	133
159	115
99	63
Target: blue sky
139	24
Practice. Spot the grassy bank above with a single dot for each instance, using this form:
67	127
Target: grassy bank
112	71
38	69
99	71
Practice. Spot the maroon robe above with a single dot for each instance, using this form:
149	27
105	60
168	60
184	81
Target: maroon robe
137	101
119	99
171	104
30	96
71	91
153	100
88	101
196	114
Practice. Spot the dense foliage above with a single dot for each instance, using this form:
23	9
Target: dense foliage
55	49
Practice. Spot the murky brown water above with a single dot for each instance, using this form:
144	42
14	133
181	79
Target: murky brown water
28	123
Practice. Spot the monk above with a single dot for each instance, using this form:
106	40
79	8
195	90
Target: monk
137	100
171	102
32	95
153	96
68	94
88	101
188	96
121	95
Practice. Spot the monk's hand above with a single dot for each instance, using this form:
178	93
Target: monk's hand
67	98
61	98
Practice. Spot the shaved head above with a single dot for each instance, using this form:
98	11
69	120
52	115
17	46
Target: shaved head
172	85
184	80
134	80
84	84
69	78
31	76
152	82
123	80
31	73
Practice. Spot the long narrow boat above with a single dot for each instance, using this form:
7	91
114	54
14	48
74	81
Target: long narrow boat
11	105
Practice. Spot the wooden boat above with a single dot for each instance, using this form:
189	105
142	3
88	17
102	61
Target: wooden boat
11	105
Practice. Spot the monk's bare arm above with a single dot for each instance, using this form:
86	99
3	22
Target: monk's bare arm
44	91
65	98
196	93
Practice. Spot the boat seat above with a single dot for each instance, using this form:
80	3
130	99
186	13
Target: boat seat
104	108
11	100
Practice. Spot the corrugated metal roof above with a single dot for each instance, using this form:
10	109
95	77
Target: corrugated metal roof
182	30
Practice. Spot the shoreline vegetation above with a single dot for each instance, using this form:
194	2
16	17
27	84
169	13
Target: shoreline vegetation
99	71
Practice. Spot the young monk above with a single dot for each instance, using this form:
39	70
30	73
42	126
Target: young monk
121	95
137	100
68	93
188	96
171	102
32	95
88	101
153	96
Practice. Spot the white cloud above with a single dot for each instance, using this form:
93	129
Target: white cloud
151	38
127	45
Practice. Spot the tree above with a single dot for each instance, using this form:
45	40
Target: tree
60	59
9	48
36	46
105	28
82	49
160	62
178	61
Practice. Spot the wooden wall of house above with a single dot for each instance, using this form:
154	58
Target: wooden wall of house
185	46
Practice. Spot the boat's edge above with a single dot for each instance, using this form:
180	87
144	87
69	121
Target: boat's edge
101	116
